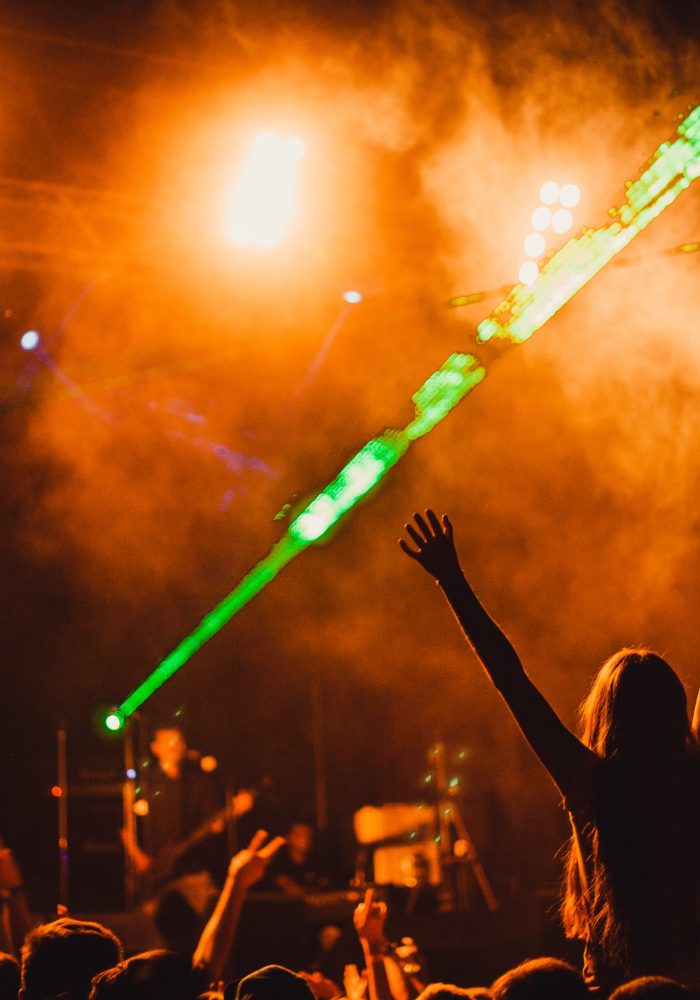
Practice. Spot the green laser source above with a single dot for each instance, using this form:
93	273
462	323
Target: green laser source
524	310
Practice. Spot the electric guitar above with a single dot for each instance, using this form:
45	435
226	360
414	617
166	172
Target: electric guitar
163	864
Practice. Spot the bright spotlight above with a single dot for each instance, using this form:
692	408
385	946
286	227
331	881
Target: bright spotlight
295	149
528	272
263	203
549	192
29	340
570	195
562	221
352	296
541	218
534	245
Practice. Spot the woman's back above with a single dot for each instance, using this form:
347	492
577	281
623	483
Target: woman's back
630	784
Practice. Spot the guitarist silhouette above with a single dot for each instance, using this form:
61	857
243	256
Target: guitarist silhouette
174	864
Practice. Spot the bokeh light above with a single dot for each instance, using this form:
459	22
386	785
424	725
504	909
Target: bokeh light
264	200
141	807
352	296
29	341
534	245
549	192
562	221
570	195
528	272
541	218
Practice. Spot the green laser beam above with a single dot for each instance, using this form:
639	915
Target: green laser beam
433	401
283	552
525	309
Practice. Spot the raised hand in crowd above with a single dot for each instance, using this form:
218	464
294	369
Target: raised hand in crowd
244	870
434	545
369	919
248	866
354	982
386	979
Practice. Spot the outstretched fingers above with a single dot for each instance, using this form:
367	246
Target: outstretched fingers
417	538
420	521
257	840
434	523
269	850
405	547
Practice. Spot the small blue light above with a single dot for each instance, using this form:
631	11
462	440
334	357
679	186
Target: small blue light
29	340
130	773
353	297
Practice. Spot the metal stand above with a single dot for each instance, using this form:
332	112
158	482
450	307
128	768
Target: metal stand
457	851
62	797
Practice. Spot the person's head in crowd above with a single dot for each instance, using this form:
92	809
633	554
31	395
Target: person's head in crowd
168	746
9	977
540	979
635	717
272	982
300	840
152	975
637	706
446	991
61	957
651	988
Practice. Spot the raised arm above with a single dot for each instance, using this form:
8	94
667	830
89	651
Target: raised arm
563	755
369	918
244	870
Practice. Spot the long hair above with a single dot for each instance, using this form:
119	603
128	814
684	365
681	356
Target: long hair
637	901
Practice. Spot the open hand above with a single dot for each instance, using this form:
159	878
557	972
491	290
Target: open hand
248	866
435	550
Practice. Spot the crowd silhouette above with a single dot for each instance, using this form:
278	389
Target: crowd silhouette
631	883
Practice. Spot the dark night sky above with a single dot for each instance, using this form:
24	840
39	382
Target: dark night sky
131	507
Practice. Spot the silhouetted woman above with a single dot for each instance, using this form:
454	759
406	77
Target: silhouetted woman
631	786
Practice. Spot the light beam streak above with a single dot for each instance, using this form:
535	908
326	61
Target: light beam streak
524	310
